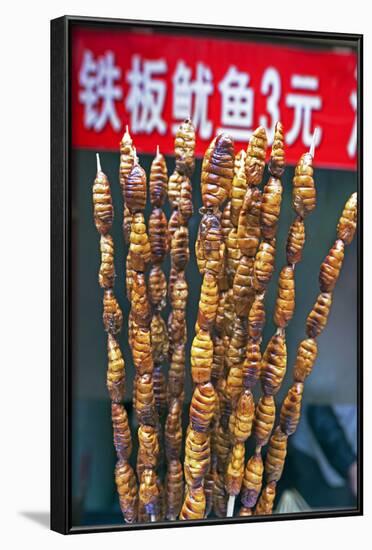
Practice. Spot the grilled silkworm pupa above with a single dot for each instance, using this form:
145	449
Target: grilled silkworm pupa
158	181
240	422
157	287
226	223
252	364
264	263
266	501
126	484
160	389
173	430
285	301
229	313
249	224
149	493
210	246
274	364
347	224
127	223
159	338
102	203
220	315
148	451
197	457
180	253
275	456
141	310
177	329
179	294
252	480
129	272
270	207
291	409
142	351
277	158
264	419
318	316
121	429
223	447
239	187
304	192
127	156
256	154
235	358
185	206
112	314
218	359
331	267
176	373
184	148
136	189
202	407
220	496
234	253
307	352
217	171
208	301
140	250
256	318
106	276
295	241
235	469
193	506
158	235
115	371
174	489
174	188
201	357
242	287
144	402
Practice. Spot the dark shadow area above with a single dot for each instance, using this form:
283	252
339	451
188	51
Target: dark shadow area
42	518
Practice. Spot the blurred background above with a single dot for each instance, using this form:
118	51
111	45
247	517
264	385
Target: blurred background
321	463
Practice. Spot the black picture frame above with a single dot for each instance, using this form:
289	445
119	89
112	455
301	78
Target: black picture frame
61	275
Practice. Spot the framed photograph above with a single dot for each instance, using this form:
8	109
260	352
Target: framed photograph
206	357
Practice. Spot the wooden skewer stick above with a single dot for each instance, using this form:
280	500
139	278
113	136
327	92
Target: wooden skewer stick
157	151
153	518
313	142
99	169
230	506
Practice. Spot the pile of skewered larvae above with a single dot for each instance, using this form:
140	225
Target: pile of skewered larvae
180	198
307	351
112	321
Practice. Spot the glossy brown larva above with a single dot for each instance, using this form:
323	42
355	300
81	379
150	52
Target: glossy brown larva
160	389
174	188
178	295
266	501
274	364
256	154
318	316
185	206
249	224
252	480
129	272
142	351
127	223
144	401
285	301
240	423
275	456
140	250
102	203
135	189
223	446
264	263
197	457
121	431
226	223
244	292
158	235
239	187
176	373
157	287
220	315
208	301
106	275
126	484
256	318
234	253
193	506
235	357
291	409
229	313
252	364
177	329
180	252
201	357
217	171
235	469
158	181
127	156
304	192
264	419
174	489
173	430
306	356
148	450
184	148
149	493
347	224
295	241
270	207
115	378
331	267
202	407
277	158
173	224
141	309
112	314
218	364
210	243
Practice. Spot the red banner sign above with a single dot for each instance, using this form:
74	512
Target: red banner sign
151	81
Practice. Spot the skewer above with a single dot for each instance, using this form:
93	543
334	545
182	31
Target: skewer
313	142
99	169
153	518
230	506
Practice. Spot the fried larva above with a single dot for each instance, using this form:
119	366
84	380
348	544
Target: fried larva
285	302
256	154
306	356
115	371
331	267
295	241
252	480
275	456
217	171
102	203
304	192
347	224
318	316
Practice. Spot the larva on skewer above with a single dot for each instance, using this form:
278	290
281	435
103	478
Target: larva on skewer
217	171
